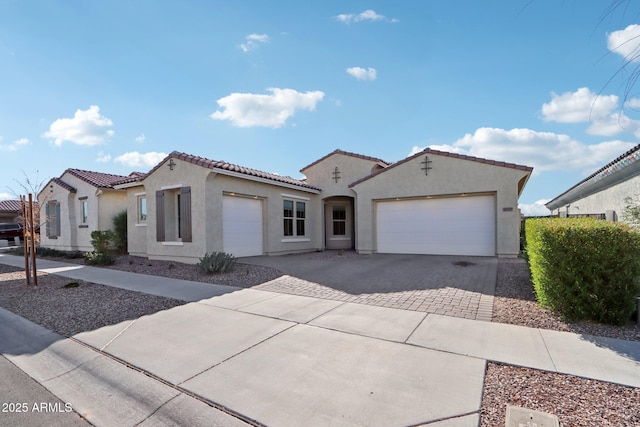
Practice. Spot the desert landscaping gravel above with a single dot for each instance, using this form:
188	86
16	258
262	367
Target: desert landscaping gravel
576	401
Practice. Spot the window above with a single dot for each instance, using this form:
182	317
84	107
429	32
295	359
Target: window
85	211
294	214
339	220
142	208
52	211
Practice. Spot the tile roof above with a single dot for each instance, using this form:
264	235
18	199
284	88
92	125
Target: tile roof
447	154
616	165
97	179
218	164
63	184
10	205
346	153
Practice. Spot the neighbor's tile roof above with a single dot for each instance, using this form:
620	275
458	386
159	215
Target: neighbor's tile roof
346	153
10	205
97	179
63	184
447	154
218	164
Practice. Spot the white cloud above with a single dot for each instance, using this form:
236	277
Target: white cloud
135	159
579	106
252	41
273	110
363	73
87	127
14	145
613	125
140	138
367	15
535	209
543	150
626	42
443	147
6	196
103	158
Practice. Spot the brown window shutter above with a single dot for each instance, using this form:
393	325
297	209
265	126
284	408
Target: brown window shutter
160	237
185	209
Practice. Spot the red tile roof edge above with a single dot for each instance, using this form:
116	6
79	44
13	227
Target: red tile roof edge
97	179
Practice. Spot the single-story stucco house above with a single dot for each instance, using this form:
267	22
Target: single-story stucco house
603	193
77	203
432	202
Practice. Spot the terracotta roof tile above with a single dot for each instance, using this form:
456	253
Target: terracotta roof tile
10	205
97	179
216	164
63	184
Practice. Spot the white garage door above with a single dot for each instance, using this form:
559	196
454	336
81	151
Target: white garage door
443	226
242	226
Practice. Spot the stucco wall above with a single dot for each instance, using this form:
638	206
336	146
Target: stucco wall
351	169
75	235
207	191
448	176
611	199
136	230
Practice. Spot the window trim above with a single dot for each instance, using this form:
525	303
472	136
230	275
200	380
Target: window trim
296	220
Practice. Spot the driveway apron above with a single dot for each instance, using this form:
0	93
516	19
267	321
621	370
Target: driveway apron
458	286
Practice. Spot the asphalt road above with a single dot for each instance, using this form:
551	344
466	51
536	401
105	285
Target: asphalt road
24	402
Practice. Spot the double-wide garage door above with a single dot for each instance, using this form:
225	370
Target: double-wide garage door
464	225
242	226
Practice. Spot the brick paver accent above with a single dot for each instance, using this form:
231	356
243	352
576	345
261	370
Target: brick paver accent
432	284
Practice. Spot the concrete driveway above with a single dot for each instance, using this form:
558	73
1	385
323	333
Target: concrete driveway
459	286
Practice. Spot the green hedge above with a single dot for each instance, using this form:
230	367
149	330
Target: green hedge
585	268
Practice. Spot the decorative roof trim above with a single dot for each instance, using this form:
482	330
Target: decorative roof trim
96	179
446	154
346	153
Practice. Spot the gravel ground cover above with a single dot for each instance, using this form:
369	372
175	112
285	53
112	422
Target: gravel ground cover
576	401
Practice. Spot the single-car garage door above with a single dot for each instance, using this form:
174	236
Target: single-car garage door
242	226
463	225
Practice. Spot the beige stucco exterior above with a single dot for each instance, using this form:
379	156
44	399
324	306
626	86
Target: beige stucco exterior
449	177
610	201
338	179
75	235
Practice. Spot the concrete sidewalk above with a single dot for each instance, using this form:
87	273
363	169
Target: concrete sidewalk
278	359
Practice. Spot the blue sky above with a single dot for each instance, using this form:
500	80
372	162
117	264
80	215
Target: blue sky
115	86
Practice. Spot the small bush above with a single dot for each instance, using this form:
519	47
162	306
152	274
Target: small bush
97	258
584	268
216	262
102	240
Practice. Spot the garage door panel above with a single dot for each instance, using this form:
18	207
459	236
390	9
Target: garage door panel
445	226
242	226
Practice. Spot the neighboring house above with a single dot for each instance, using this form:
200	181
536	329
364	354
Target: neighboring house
77	203
430	203
10	210
603	193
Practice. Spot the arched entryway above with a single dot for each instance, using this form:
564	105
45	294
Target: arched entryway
339	230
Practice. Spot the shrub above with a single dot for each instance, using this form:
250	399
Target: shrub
98	258
216	262
585	268
120	231
101	240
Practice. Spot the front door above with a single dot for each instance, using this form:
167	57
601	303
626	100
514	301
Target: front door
339	224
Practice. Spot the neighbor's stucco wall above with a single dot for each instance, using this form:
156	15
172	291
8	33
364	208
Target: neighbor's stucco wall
74	234
136	230
610	199
448	176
